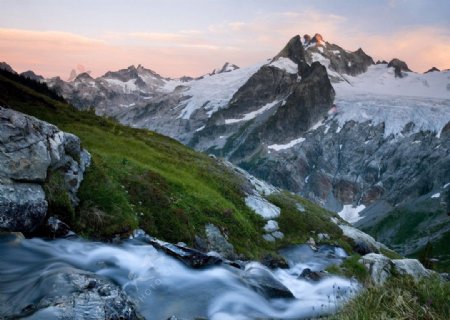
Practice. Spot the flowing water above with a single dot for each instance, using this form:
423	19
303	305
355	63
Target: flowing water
161	286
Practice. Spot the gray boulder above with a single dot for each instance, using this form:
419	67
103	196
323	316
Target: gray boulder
217	242
379	267
29	150
411	267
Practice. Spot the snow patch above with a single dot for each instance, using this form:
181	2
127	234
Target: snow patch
200	129
285	64
253	114
350	213
436	195
290	144
213	92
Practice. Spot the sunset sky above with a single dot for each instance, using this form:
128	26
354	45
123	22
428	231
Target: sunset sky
191	37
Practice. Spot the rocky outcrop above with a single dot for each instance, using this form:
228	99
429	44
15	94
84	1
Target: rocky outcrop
30	149
381	268
399	67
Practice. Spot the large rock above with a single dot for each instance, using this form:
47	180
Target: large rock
22	206
379	267
87	297
29	150
262	281
411	267
218	243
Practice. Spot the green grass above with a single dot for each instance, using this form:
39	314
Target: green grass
139	178
351	267
298	226
401	298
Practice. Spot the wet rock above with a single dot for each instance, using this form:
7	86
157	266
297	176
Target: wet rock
217	242
307	274
274	262
22	206
86	296
53	228
190	257
263	282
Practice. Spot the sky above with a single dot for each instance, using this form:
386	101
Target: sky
192	37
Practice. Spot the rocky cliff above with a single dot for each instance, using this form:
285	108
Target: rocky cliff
30	151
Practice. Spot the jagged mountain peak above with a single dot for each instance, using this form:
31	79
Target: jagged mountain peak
227	67
295	51
84	76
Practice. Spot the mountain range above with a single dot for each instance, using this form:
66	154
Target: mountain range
368	140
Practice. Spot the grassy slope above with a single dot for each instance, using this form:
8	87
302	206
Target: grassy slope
139	178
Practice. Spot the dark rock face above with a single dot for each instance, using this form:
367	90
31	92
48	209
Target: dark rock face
315	276
307	104
399	66
297	104
29	149
294	50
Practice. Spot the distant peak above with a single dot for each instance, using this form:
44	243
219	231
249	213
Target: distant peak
317	39
434	69
7	67
227	67
84	76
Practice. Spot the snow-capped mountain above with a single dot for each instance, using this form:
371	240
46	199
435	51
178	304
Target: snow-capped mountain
364	139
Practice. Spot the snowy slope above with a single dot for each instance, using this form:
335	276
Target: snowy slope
378	96
213	92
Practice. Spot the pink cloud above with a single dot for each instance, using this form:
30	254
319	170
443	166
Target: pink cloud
195	52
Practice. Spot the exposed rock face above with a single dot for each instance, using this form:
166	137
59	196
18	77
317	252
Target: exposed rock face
218	243
399	66
381	267
29	149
